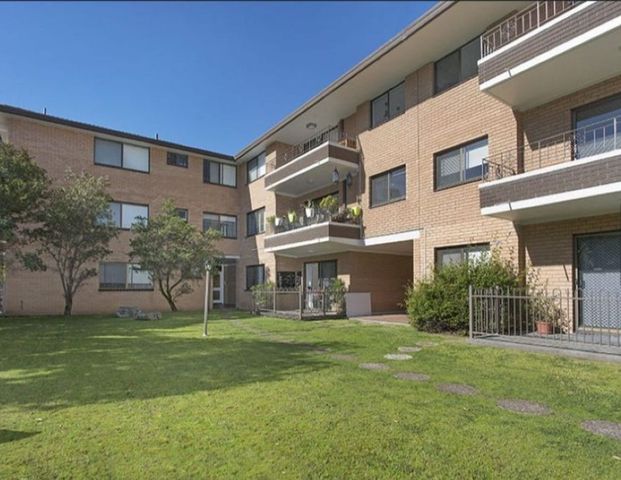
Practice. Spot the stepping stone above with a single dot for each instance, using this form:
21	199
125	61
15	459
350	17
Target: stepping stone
374	366
524	406
427	343
457	389
397	356
412	376
602	427
409	349
343	357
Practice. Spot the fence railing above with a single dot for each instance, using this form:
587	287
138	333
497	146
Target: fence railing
330	134
584	142
519	24
572	317
299	302
305	217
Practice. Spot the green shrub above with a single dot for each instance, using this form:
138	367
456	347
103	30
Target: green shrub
335	292
439	303
262	295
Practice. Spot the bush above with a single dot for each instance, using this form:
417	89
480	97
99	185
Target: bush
262	295
335	293
439	303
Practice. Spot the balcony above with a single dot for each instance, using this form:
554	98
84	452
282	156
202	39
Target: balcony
320	233
310	165
571	175
550	49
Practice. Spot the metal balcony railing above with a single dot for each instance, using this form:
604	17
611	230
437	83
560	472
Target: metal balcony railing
318	215
330	134
521	23
588	141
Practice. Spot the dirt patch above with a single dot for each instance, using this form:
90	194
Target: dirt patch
374	366
602	427
524	406
343	357
397	356
409	349
457	388
412	376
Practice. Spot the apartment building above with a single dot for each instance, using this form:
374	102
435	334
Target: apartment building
481	124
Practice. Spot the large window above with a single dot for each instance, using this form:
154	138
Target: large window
225	224
124	215
256	168
177	159
598	127
388	187
121	155
255	275
388	105
461	164
219	173
457	66
255	222
123	276
467	253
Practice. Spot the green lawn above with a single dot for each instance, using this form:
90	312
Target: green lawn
95	397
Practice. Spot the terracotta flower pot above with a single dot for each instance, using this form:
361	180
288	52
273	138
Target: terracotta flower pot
544	328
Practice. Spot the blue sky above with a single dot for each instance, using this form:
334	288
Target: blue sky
211	75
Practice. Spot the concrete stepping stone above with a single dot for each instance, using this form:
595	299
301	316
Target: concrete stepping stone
374	366
412	376
602	427
457	389
344	357
427	343
409	349
524	406
397	356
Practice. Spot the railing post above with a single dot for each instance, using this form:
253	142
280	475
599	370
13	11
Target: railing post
470	311
301	300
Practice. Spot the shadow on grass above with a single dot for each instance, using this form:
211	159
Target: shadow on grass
7	436
55	363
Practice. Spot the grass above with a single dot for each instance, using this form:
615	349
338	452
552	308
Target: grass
100	397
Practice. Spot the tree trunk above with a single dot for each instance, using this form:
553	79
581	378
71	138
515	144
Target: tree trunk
68	305
171	303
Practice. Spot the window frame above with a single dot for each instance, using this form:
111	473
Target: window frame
387	92
388	172
436	91
256	160
176	156
248	216
120	202
121	167
456	147
117	289
187	213
224	237
463	249
258	265
208	162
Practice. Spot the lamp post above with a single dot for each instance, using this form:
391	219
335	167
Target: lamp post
207	293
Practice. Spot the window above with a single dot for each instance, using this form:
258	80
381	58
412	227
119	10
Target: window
183	213
255	168
225	224
388	105
457	66
121	155
177	159
123	276
598	127
255	275
388	187
124	215
468	253
461	165
255	222
219	173
288	279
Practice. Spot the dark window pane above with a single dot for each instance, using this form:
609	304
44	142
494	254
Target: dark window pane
397	184
379	110
115	209
108	152
214	172
112	275
447	71
177	159
379	190
182	213
396	101
470	54
255	275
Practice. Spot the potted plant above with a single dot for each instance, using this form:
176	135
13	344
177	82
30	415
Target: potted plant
356	212
544	327
309	209
329	203
278	221
292	216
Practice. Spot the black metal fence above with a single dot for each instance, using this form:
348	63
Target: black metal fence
299	302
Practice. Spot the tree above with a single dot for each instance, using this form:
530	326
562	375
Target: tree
23	187
73	232
174	251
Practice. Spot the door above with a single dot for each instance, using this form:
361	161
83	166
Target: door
317	275
599	279
217	289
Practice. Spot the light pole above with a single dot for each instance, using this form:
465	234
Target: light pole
207	293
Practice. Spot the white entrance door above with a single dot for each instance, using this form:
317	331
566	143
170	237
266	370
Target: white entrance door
217	290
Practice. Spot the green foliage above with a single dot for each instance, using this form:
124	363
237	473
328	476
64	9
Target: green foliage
23	188
174	251
439	303
329	203
262	295
335	293
72	233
